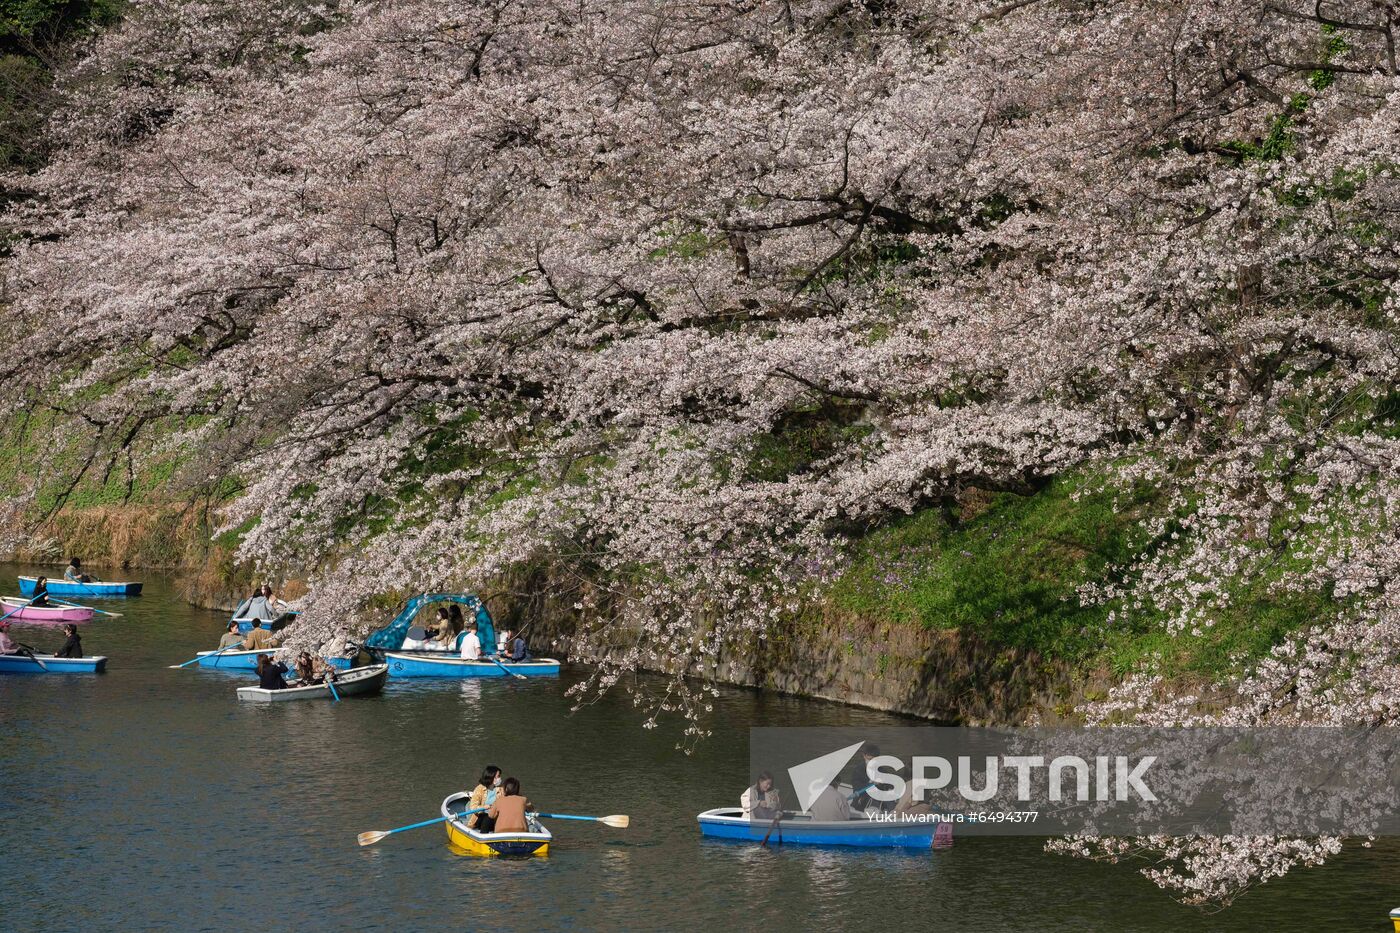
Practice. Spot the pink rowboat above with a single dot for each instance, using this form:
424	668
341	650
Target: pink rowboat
11	605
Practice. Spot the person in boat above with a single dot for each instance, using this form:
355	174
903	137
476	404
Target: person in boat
262	605
312	670
7	644
72	645
41	592
507	814
471	645
483	795
258	639
830	805
459	622
74	572
517	650
270	673
232	637
448	630
864	775
760	801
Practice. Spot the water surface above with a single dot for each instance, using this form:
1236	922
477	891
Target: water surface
151	799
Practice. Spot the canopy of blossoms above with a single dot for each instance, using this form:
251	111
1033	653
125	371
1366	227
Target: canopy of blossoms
458	287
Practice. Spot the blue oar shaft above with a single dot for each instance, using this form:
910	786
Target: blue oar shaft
441	819
567	816
197	658
17	608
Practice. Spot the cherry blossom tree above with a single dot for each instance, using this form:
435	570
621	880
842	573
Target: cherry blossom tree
677	298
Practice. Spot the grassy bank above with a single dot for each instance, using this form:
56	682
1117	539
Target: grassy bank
1007	569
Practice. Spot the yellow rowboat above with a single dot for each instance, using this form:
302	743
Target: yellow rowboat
508	845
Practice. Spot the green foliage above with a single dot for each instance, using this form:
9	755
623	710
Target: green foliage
34	33
1009	575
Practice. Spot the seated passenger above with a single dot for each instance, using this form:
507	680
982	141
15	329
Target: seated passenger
7	644
232	637
270	673
74	572
72	645
760	802
41	592
830	806
259	639
471	645
508	812
519	650
261	605
487	789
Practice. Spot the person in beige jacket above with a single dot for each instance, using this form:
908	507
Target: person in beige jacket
259	639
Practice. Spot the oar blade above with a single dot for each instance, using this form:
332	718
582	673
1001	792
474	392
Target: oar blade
371	837
618	821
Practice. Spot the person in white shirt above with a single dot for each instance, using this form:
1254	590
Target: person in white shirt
471	645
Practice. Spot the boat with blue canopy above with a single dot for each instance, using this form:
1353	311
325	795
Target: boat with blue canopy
48	664
74	588
387	645
393	635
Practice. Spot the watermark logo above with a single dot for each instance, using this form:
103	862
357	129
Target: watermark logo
1105	781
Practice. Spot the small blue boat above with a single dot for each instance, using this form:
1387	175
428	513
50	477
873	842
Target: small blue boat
446	664
61	587
800	829
248	660
23	664
246	625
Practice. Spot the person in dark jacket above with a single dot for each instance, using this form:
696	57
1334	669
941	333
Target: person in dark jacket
72	646
270	673
516	649
41	592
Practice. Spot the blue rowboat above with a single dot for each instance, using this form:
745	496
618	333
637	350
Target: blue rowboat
248	660
22	664
62	587
246	625
801	829
446	664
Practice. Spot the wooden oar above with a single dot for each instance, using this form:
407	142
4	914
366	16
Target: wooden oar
374	835
18	608
200	657
504	668
772	826
93	608
618	821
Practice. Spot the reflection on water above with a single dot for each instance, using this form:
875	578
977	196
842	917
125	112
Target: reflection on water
152	799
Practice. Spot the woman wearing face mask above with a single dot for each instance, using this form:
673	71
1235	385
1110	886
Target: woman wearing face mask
483	795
